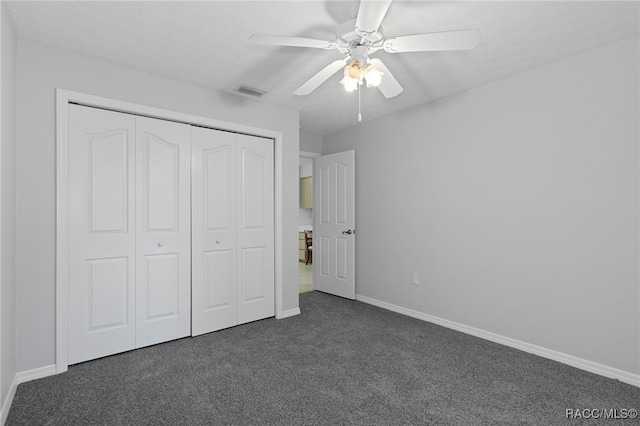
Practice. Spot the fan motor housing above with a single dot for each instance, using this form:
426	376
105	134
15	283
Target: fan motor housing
348	38
360	53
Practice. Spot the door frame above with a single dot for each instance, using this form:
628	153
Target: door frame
63	99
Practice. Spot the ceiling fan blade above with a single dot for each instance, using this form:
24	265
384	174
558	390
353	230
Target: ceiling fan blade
292	41
389	86
321	77
446	40
370	15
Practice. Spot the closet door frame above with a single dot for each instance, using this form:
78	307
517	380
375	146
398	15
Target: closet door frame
66	97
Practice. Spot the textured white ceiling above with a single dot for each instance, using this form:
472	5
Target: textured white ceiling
205	43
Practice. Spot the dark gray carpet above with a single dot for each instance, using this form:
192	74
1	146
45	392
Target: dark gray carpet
340	362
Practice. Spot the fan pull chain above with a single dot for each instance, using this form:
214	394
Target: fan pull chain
359	114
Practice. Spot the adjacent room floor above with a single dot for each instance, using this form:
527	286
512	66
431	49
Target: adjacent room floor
305	276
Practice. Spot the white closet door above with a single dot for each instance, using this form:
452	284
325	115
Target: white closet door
232	236
213	190
163	270
101	288
255	228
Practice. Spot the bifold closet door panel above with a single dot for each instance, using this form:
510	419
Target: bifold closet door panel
163	230
213	212
101	234
255	233
232	229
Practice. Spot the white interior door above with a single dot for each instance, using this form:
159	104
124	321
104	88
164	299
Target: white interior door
334	224
214	305
101	288
233	229
163	231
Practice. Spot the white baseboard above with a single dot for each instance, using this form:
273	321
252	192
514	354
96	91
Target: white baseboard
6	404
289	313
583	364
21	377
36	373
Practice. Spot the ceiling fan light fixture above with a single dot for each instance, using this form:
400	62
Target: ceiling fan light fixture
350	84
355	74
373	76
354	70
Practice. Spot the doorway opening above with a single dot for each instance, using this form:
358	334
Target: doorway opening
305	222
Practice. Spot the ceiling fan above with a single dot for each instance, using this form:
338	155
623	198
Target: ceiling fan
359	38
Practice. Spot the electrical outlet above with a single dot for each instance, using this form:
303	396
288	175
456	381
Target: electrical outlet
416	278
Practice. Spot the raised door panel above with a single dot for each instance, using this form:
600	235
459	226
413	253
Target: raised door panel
108	190
217	180
160	160
163	228
252	273
323	204
161	286
342	192
219	272
253	200
323	247
255	287
108	294
213	200
101	287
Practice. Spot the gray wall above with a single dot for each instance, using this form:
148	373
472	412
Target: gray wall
310	143
7	203
517	202
42	69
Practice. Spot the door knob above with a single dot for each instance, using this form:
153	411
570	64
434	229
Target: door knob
348	232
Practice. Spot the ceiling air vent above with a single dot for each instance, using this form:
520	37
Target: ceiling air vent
248	90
